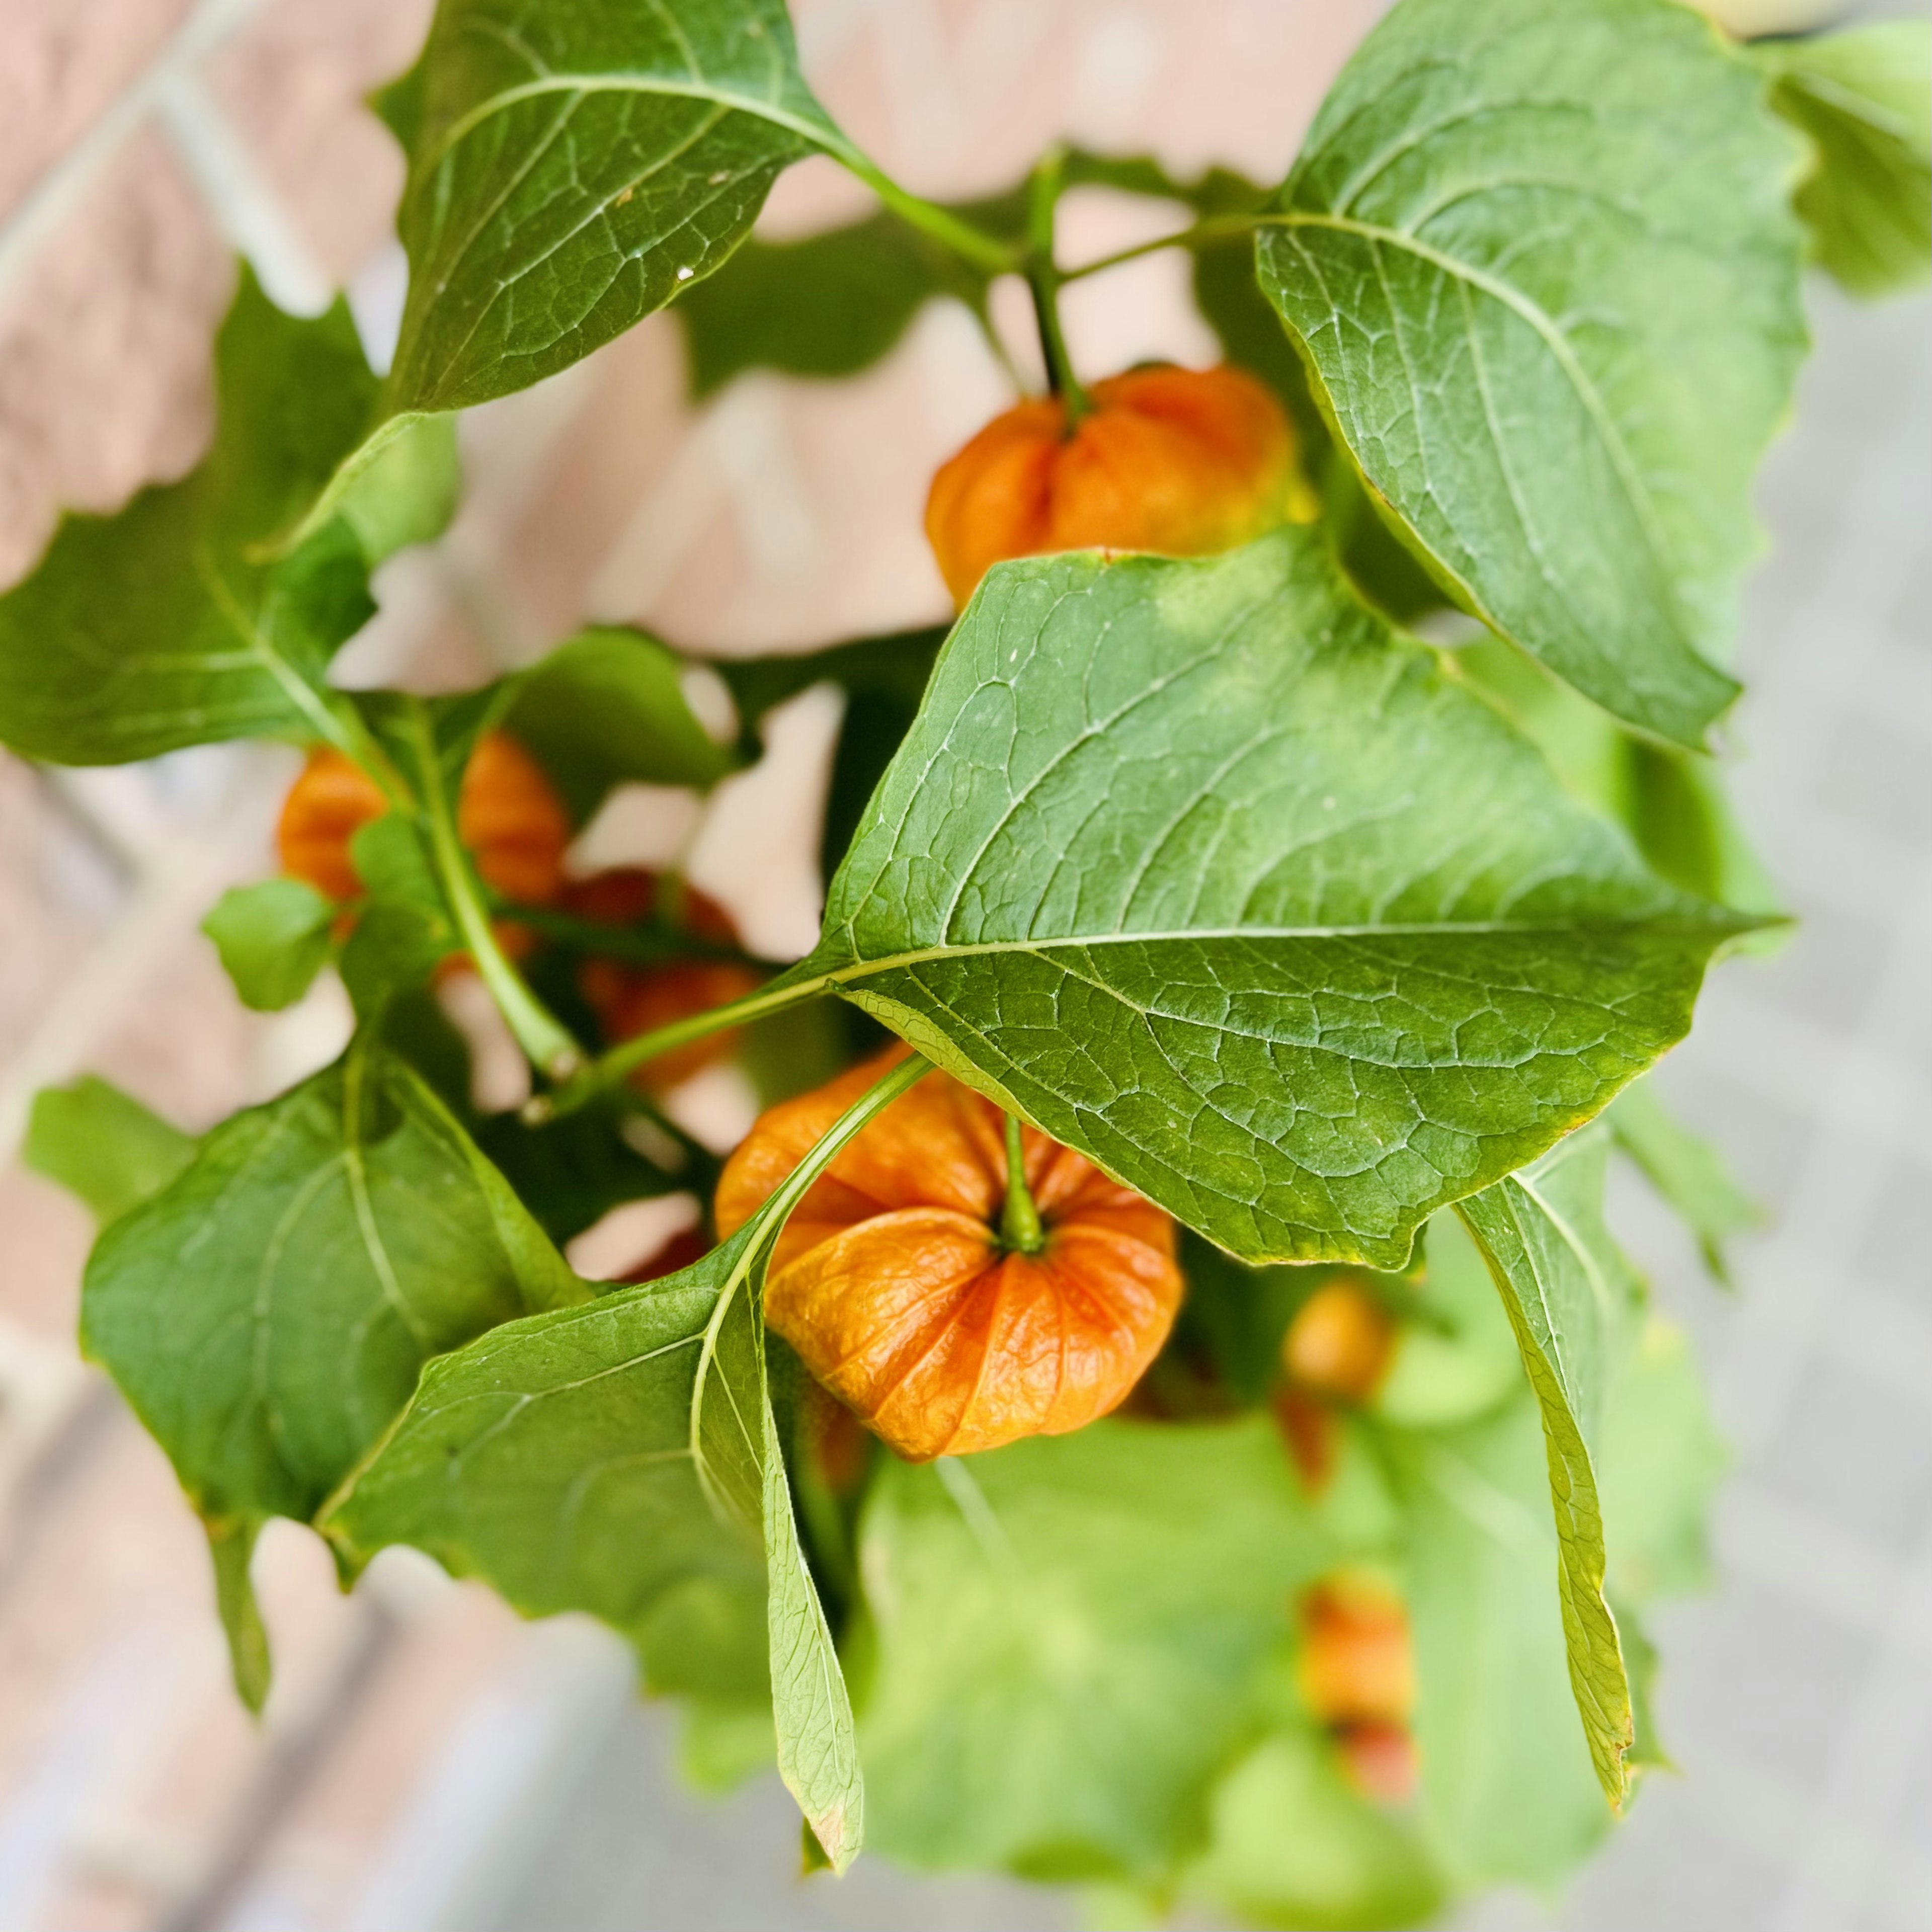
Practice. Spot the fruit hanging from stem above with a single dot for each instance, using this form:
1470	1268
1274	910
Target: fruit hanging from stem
895	1284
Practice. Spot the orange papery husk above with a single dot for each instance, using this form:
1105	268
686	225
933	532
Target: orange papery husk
891	1282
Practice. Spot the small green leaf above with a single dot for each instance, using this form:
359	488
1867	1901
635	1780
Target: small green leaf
607	708
403	928
266	1313
1865	98
231	1543
1335	946
1568	1292
1069	1633
102	1146
273	937
1688	1172
1542	266
169	624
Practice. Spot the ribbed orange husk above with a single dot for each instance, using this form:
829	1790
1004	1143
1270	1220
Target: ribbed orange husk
1184	462
506	814
891	1282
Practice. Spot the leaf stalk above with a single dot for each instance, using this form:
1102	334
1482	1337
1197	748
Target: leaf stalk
541	1036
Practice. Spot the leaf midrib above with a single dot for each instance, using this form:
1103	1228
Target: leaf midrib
820	134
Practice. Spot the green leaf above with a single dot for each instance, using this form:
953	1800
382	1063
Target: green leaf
1203	870
273	937
621	1458
1865	98
1544	272
1507	1786
1290	1843
266	1313
1688	1172
607	708
572	167
1068	1634
231	1543
557	1458
167	625
102	1146
1568	1293
1672	803
403	927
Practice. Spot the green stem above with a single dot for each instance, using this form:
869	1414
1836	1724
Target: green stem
1202	235
970	244
1019	1224
544	1038
609	1069
1044	279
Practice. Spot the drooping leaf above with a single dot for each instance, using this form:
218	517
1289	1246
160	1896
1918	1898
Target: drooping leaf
606	708
1687	1171
1541	265
1200	868
1506	1779
102	1145
265	1314
166	624
1568	1294
621	1458
1068	1635
274	939
1864	97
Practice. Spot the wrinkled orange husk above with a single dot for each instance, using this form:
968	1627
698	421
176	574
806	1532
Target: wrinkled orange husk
1339	1342
506	814
1184	462
629	1001
1356	1665
892	1285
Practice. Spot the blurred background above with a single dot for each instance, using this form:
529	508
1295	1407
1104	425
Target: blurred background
427	1764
